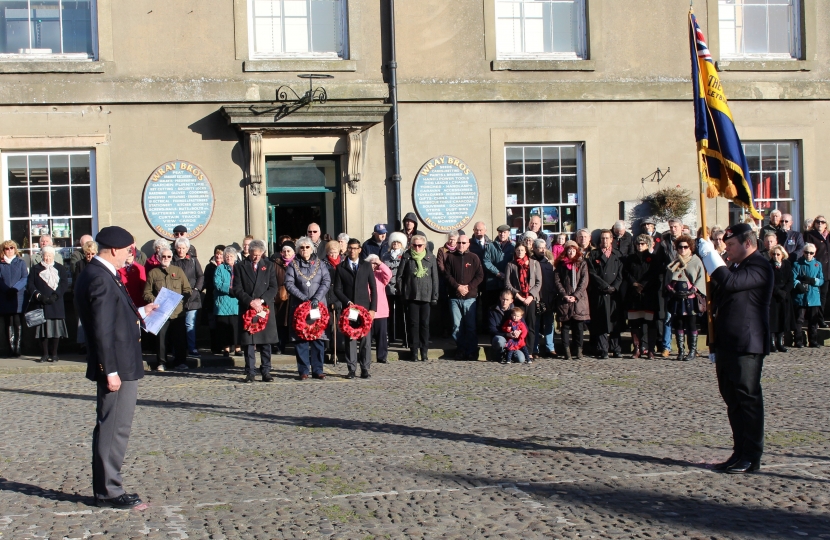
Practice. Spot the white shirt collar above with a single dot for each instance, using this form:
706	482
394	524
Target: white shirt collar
106	263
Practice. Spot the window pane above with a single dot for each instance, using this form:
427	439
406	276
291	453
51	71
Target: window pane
38	171
515	191
60	201
17	171
509	35
568	219
325	25
81	203
18	202
296	34
550	160
533	160
20	233
533	190
59	170
755	29
769	157
39	200
268	38
568	160
564	27
77	27
267	8
534	35
769	186
81	227
14	18
779	29
569	189
784	185
515	218
753	156
295	8
783	157
514	160
80	168
46	25
552	189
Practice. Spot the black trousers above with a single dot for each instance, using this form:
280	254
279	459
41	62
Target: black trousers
811	317
739	381
530	320
264	356
381	339
178	335
417	316
578	329
227	330
822	293
608	343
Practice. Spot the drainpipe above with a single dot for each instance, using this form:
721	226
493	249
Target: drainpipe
392	66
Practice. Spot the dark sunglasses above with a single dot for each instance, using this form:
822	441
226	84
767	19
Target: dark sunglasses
683	246
418	245
809	252
820	221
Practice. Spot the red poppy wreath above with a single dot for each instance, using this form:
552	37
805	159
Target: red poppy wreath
252	322
364	322
313	331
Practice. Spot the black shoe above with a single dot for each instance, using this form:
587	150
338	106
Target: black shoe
365	375
733	459
267	378
814	345
603	356
617	354
226	354
350	375
248	379
122	501
691	356
744	466
381	361
50	359
239	353
42	359
799	345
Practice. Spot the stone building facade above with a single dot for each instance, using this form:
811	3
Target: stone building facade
560	108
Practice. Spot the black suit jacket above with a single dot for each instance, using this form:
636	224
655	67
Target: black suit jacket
360	288
112	325
742	305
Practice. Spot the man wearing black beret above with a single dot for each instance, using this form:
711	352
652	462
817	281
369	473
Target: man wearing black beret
742	339
113	335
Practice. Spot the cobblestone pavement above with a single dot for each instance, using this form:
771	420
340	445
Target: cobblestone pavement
580	449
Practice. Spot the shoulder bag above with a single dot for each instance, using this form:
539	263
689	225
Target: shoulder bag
34	317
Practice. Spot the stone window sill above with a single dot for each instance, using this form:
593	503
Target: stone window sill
299	65
543	65
53	66
763	65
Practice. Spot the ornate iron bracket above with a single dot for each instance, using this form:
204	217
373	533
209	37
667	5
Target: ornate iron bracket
656	176
293	104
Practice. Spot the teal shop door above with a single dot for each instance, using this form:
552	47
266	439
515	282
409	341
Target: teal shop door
302	190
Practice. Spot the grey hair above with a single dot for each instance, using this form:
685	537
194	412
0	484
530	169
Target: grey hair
256	244
160	243
303	241
808	245
46	235
674	220
165	249
618	226
539	242
776	211
770	233
372	258
229	253
182	240
647	239
48	249
453	234
342	237
421	236
529	234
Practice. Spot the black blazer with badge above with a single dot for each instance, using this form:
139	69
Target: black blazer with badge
359	288
111	322
248	285
742	305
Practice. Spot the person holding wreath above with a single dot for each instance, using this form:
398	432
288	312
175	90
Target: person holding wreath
355	285
255	287
308	281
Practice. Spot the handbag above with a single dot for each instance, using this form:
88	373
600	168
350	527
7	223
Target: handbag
34	317
541	308
700	299
283	294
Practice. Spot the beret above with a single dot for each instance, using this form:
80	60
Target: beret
179	228
736	230
502	228
114	237
288	243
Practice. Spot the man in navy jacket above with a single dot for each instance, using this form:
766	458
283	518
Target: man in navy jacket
113	335
742	340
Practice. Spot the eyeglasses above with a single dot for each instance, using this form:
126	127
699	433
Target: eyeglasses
354	247
305	247
417	245
809	252
463	243
642	243
166	256
9	248
313	232
785	220
820	221
683	246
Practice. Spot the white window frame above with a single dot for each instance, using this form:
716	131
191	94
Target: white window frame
795	29
582	42
93	189
344	37
795	199
73	57
579	148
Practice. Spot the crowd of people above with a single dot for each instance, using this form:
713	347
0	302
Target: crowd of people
521	292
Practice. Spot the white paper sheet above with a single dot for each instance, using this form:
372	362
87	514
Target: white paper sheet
167	301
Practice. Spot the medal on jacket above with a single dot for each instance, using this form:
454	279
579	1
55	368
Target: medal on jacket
308	284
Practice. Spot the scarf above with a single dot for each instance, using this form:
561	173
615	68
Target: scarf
680	263
448	248
418	257
607	252
396	253
333	262
524	269
50	276
8	259
285	261
777	264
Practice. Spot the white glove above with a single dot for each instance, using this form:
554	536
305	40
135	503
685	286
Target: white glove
711	260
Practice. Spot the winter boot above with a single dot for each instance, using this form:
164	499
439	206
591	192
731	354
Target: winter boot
681	346
16	333
635	339
779	342
692	347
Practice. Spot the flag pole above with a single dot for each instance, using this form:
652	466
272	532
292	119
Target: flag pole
705	227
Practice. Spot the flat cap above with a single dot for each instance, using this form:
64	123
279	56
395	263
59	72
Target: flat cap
736	230
114	237
503	228
648	221
179	229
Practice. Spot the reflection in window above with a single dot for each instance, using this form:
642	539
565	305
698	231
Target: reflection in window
544	181
46	27
300	28
762	28
48	193
540	29
774	173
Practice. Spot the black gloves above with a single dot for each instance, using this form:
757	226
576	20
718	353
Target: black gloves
314	304
46	300
55	297
433	304
800	288
11	293
806	279
612	290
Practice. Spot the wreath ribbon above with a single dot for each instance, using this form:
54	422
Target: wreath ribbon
364	322
313	331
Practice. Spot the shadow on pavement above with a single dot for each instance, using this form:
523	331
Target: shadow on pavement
51	494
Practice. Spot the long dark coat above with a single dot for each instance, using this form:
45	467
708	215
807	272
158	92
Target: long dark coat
606	308
571	282
781	307
37	285
646	269
280	308
248	285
